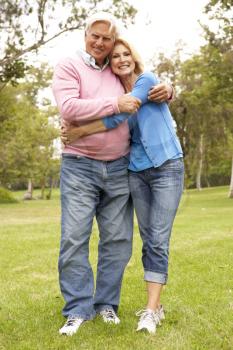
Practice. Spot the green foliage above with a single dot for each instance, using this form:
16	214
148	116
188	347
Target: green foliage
27	131
6	196
25	27
203	107
219	6
13	71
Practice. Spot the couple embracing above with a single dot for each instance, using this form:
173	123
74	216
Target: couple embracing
121	151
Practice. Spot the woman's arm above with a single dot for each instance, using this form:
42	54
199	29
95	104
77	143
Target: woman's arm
140	90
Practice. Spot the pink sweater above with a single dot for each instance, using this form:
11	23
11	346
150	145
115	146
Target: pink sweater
83	94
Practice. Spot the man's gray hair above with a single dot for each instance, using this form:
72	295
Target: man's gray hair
103	17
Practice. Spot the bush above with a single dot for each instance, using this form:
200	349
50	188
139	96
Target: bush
6	196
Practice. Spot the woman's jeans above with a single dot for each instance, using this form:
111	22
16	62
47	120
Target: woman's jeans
92	188
156	194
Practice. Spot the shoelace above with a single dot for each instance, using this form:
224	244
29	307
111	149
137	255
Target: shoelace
149	316
72	321
109	313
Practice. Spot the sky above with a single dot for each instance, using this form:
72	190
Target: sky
159	25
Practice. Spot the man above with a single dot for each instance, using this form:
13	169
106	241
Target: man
94	180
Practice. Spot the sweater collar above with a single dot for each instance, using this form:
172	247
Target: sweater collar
90	61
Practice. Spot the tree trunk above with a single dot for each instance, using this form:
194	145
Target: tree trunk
28	194
200	162
42	188
231	184
49	194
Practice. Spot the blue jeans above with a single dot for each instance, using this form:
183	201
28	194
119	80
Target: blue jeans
94	188
156	194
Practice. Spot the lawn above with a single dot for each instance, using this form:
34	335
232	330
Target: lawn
198	298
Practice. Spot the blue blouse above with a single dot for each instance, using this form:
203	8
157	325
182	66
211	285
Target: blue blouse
153	134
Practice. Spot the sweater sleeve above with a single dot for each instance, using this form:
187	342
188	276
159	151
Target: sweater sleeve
66	90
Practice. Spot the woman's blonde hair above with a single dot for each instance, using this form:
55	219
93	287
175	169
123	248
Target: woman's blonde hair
139	68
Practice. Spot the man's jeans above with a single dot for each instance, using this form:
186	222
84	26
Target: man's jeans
156	194
94	188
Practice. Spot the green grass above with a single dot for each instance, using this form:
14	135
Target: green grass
198	298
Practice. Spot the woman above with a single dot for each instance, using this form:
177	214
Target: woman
156	173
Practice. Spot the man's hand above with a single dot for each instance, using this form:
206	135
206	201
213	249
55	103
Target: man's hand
160	93
128	104
70	133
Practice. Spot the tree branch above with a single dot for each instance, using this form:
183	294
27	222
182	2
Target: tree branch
39	43
41	11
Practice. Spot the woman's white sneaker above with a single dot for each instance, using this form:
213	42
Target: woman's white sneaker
149	319
71	326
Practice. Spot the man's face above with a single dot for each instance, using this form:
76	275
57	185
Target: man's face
99	41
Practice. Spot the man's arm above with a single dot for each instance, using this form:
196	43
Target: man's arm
70	133
161	93
140	90
66	89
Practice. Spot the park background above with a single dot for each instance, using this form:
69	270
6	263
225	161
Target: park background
198	298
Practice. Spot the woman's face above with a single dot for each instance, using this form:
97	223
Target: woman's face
122	62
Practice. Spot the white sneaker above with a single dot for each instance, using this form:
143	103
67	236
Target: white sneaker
149	319
71	326
109	316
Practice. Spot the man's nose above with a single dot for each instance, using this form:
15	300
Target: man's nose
99	41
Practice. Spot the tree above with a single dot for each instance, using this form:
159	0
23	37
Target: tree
231	183
187	109
25	26
201	116
220	43
26	133
203	107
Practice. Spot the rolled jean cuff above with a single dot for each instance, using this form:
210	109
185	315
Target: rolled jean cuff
86	317
101	307
150	276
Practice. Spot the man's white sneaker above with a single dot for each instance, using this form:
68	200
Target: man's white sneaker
71	326
148	320
109	316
